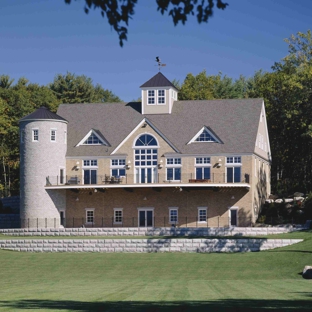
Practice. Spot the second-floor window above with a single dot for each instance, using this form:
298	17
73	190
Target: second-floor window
173	169
35	135
233	169
202	168
53	135
118	167
90	163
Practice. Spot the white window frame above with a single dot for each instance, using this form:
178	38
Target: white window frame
86	137
35	135
197	135
115	216
93	163
202	162
177	216
121	164
199	215
233	161
53	135
161	96
93	215
151	97
176	163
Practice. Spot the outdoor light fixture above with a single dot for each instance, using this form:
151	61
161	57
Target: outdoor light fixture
95	190
77	199
128	165
160	165
144	198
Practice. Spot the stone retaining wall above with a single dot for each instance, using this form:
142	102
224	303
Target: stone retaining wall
144	245
232	231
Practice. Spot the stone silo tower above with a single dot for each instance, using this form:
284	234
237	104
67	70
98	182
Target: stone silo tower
43	145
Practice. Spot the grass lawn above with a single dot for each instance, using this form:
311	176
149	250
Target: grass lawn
158	281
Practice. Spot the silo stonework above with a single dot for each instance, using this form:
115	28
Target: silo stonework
41	157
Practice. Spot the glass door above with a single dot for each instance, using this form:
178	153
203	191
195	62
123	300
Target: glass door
145	218
233	216
146	175
90	176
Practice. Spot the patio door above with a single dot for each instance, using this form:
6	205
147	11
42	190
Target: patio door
146	175
146	218
90	176
233	217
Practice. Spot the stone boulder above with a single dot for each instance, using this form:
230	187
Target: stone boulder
307	272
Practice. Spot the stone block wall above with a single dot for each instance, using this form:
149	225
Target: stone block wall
145	245
161	231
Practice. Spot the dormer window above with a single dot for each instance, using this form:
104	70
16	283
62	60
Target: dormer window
151	96
93	138
204	135
161	96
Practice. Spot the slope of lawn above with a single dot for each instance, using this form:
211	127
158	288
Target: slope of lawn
157	281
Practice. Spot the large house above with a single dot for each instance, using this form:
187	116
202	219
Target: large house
159	163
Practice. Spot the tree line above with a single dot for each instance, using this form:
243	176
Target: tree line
22	98
286	90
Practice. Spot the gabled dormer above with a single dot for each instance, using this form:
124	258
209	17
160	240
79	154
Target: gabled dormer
93	137
158	95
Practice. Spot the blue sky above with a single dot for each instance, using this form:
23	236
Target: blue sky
41	38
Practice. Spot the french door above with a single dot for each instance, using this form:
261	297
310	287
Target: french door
146	218
89	176
146	175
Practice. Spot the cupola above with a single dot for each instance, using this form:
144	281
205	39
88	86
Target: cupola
158	95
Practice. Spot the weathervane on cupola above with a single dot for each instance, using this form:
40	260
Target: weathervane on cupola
160	64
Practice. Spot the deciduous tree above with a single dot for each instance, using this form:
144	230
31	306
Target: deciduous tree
119	12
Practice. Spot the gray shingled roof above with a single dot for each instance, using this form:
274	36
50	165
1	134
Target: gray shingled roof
41	114
159	80
235	122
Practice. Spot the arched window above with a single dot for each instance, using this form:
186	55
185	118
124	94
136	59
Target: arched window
146	140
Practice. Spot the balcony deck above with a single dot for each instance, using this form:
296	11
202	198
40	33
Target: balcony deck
128	181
